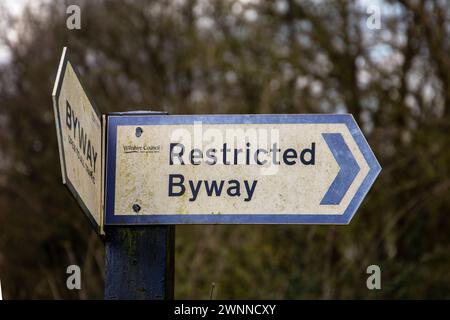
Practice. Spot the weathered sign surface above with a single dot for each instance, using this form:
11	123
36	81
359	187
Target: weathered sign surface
236	169
79	131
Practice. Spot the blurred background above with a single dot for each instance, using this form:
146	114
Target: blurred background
236	56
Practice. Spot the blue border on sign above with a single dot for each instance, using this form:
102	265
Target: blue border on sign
136	120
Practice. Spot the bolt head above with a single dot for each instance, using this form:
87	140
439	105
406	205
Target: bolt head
136	208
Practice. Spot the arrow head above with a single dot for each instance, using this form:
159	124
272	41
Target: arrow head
348	171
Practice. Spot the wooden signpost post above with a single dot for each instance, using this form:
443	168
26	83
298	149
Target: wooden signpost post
159	170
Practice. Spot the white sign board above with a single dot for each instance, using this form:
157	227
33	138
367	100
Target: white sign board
236	169
79	131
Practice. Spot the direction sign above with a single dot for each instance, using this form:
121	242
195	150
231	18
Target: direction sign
312	169
79	131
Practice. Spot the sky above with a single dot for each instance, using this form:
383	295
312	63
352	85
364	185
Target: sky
14	7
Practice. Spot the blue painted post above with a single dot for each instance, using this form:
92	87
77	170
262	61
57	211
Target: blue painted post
139	262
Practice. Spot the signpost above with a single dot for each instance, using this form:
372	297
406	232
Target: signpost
214	169
141	173
79	132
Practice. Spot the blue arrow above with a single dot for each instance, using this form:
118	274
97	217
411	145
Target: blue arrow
349	168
